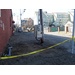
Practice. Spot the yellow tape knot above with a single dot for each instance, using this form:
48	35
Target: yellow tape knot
73	38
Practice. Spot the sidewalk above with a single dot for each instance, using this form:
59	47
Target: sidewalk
61	33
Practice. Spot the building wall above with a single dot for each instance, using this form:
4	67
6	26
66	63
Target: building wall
5	27
35	19
62	19
71	15
48	18
56	18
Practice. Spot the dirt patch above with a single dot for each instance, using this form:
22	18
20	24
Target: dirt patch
23	45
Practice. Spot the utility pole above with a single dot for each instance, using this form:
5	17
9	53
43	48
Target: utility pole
48	24
20	16
73	34
17	24
41	22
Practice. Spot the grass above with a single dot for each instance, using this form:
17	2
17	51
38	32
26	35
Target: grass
64	33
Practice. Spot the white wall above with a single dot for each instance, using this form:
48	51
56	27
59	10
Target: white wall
70	29
72	15
35	19
71	18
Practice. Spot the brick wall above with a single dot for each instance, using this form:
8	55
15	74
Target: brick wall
5	27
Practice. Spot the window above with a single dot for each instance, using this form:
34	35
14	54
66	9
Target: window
48	15
65	15
60	20
59	15
43	19
0	12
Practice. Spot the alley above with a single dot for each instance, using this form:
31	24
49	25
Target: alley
25	42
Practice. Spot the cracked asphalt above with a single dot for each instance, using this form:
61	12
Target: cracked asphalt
25	42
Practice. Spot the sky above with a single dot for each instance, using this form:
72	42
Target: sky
29	13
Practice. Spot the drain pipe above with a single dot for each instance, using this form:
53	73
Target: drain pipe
9	51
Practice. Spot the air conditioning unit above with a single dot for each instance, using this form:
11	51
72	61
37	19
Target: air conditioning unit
37	32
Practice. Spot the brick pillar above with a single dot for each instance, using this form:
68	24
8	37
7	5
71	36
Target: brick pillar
66	29
49	29
58	29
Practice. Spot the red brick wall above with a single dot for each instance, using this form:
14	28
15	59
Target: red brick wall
6	19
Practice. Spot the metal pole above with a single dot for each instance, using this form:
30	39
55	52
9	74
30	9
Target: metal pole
20	16
17	24
41	22
48	24
73	34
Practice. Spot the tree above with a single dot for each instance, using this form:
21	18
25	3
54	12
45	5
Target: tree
28	23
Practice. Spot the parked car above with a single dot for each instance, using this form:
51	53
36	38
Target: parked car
19	30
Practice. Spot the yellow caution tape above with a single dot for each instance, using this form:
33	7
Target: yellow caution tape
33	51
73	38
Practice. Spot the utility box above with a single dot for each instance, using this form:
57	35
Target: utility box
37	32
